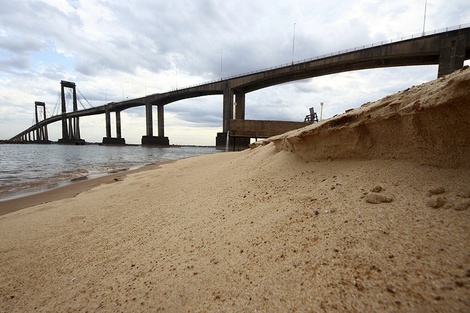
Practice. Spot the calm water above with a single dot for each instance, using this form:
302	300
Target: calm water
32	168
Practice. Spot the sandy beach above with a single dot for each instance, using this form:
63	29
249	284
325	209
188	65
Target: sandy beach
365	212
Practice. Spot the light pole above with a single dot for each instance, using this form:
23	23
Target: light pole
293	45
424	21
221	63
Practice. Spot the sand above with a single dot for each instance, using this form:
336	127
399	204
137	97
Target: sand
298	223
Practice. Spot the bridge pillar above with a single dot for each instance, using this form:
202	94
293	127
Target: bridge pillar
107	115
227	108
109	140
71	125
118	124
221	139
65	133
149	119
227	115
452	54
161	121
239	106
150	139
41	131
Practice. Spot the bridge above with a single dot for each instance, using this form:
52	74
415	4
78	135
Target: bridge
448	48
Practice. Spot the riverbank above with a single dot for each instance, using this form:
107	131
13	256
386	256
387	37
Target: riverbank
69	190
298	223
29	169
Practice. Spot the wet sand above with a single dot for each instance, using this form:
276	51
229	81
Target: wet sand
67	191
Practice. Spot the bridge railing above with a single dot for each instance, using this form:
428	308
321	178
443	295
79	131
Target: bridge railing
327	55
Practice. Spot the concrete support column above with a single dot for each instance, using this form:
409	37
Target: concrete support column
240	106
161	121
76	124
46	135
70	123
228	108
65	134
118	124
149	139
224	138
77	128
108	123
148	119
37	120
109	140
452	54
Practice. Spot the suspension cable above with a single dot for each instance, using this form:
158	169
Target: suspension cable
84	99
56	107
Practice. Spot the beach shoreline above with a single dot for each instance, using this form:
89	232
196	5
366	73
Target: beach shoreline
69	189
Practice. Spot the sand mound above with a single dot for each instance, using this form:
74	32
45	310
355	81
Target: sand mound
429	124
264	230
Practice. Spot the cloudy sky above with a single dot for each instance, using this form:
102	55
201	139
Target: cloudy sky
115	50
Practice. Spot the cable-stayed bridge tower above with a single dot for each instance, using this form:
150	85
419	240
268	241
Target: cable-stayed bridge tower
70	125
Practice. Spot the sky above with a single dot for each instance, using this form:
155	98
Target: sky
115	50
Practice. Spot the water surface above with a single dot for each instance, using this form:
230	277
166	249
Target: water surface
30	168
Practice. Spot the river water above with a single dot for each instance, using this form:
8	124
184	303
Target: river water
31	168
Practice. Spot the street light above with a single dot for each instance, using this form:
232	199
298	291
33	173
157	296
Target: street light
321	111
293	45
221	63
424	22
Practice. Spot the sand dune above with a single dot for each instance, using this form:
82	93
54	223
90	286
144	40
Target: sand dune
428	124
366	212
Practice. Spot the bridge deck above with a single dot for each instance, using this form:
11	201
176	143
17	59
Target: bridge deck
448	49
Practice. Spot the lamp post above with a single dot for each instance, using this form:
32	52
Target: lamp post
424	21
221	63
293	45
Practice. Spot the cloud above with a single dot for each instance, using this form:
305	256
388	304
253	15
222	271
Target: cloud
204	111
114	50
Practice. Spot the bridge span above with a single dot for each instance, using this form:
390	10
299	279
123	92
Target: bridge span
447	48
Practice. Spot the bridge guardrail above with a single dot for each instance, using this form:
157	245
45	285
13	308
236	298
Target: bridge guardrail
327	55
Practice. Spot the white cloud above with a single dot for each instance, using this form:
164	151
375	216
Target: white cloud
118	50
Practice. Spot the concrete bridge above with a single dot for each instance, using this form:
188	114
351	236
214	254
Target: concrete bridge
447	48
